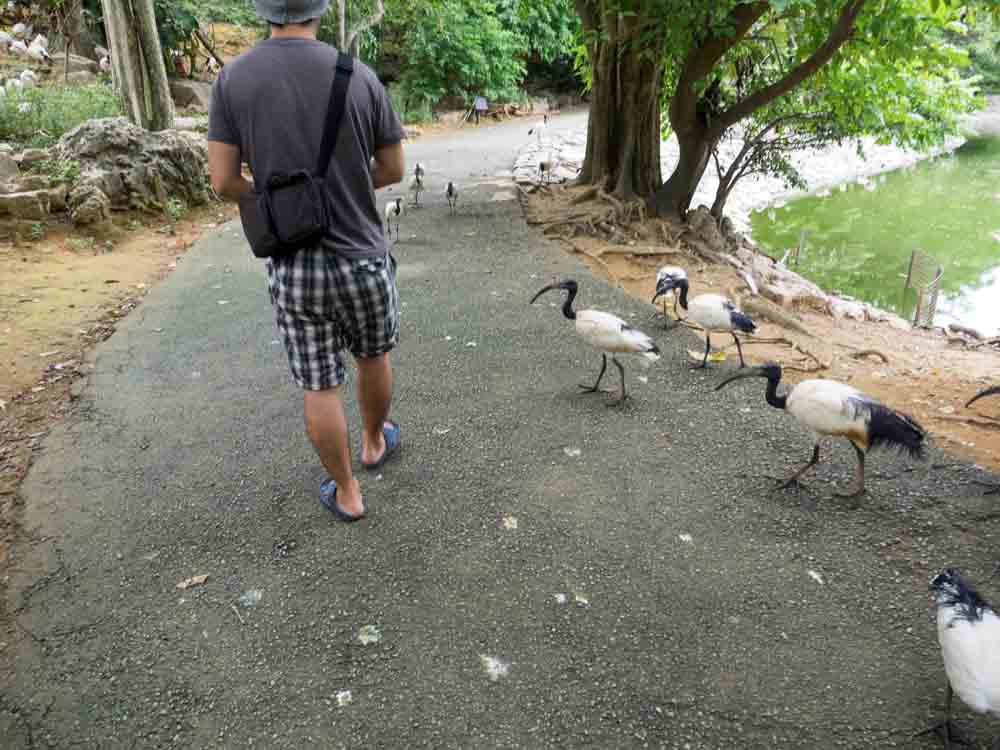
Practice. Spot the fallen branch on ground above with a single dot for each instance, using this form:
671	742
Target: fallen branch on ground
986	422
870	353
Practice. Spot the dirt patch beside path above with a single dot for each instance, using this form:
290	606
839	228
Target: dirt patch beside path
916	371
58	297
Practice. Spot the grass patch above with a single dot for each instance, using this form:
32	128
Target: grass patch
52	111
409	109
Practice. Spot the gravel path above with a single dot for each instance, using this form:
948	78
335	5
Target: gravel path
538	570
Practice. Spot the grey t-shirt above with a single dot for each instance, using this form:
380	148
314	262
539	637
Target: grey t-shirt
271	102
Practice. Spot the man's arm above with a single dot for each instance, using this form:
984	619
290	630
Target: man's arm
224	169
389	165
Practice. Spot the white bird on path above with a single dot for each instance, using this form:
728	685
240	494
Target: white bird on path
417	182
605	332
668	280
969	634
393	209
711	312
38	53
982	394
540	128
101	52
451	192
105	64
17	47
831	408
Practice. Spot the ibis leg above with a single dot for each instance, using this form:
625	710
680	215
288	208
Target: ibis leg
859	488
947	730
708	348
794	478
739	349
621	376
594	388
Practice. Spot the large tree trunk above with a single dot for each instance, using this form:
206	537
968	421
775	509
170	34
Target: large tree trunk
623	136
349	40
675	196
137	62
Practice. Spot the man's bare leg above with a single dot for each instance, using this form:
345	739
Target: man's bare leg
327	428
374	400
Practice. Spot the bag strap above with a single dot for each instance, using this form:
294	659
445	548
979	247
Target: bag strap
334	111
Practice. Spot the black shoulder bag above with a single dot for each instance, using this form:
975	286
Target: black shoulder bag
293	211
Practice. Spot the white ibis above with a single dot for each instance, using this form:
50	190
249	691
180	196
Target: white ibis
393	209
18	47
38	53
20	30
28	78
417	182
101	52
714	314
836	409
545	169
540	128
105	64
605	332
451	193
969	634
668	279
982	394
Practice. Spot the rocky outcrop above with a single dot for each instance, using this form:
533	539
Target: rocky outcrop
191	94
76	63
33	204
132	167
8	168
88	205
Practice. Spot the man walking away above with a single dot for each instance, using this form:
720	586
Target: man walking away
268	108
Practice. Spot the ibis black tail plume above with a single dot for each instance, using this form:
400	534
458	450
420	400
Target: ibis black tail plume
893	429
742	322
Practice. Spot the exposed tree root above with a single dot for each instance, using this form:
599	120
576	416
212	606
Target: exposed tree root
862	353
596	258
770	311
818	364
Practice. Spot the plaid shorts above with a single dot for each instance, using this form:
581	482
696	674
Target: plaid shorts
326	303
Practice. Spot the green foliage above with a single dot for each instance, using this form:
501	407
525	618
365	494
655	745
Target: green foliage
58	170
414	111
461	49
175	209
37	230
52	111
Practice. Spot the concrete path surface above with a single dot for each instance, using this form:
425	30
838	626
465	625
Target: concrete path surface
537	570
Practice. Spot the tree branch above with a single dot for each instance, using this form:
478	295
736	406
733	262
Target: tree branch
373	20
840	33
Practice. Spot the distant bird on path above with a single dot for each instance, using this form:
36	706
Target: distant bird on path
836	409
539	130
668	280
451	193
393	210
969	633
606	332
713	313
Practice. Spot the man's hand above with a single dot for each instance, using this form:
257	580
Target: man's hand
389	165
224	169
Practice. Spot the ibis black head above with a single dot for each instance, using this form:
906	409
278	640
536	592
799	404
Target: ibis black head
952	591
988	392
568	284
769	370
948	583
669	284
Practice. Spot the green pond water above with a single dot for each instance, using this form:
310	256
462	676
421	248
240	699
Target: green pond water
858	240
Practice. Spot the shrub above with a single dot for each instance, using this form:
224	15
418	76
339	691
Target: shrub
53	110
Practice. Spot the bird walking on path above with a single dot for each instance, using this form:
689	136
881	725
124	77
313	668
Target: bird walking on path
982	394
969	633
393	209
416	187
713	313
668	280
836	409
539	129
451	192
606	332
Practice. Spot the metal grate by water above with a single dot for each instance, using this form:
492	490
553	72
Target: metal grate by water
924	278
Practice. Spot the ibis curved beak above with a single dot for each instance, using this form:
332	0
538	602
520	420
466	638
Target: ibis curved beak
746	372
662	287
542	291
988	392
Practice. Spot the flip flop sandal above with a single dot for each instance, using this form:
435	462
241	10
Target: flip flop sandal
328	498
391	432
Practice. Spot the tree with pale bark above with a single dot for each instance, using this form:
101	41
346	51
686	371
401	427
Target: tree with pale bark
647	58
349	35
139	73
